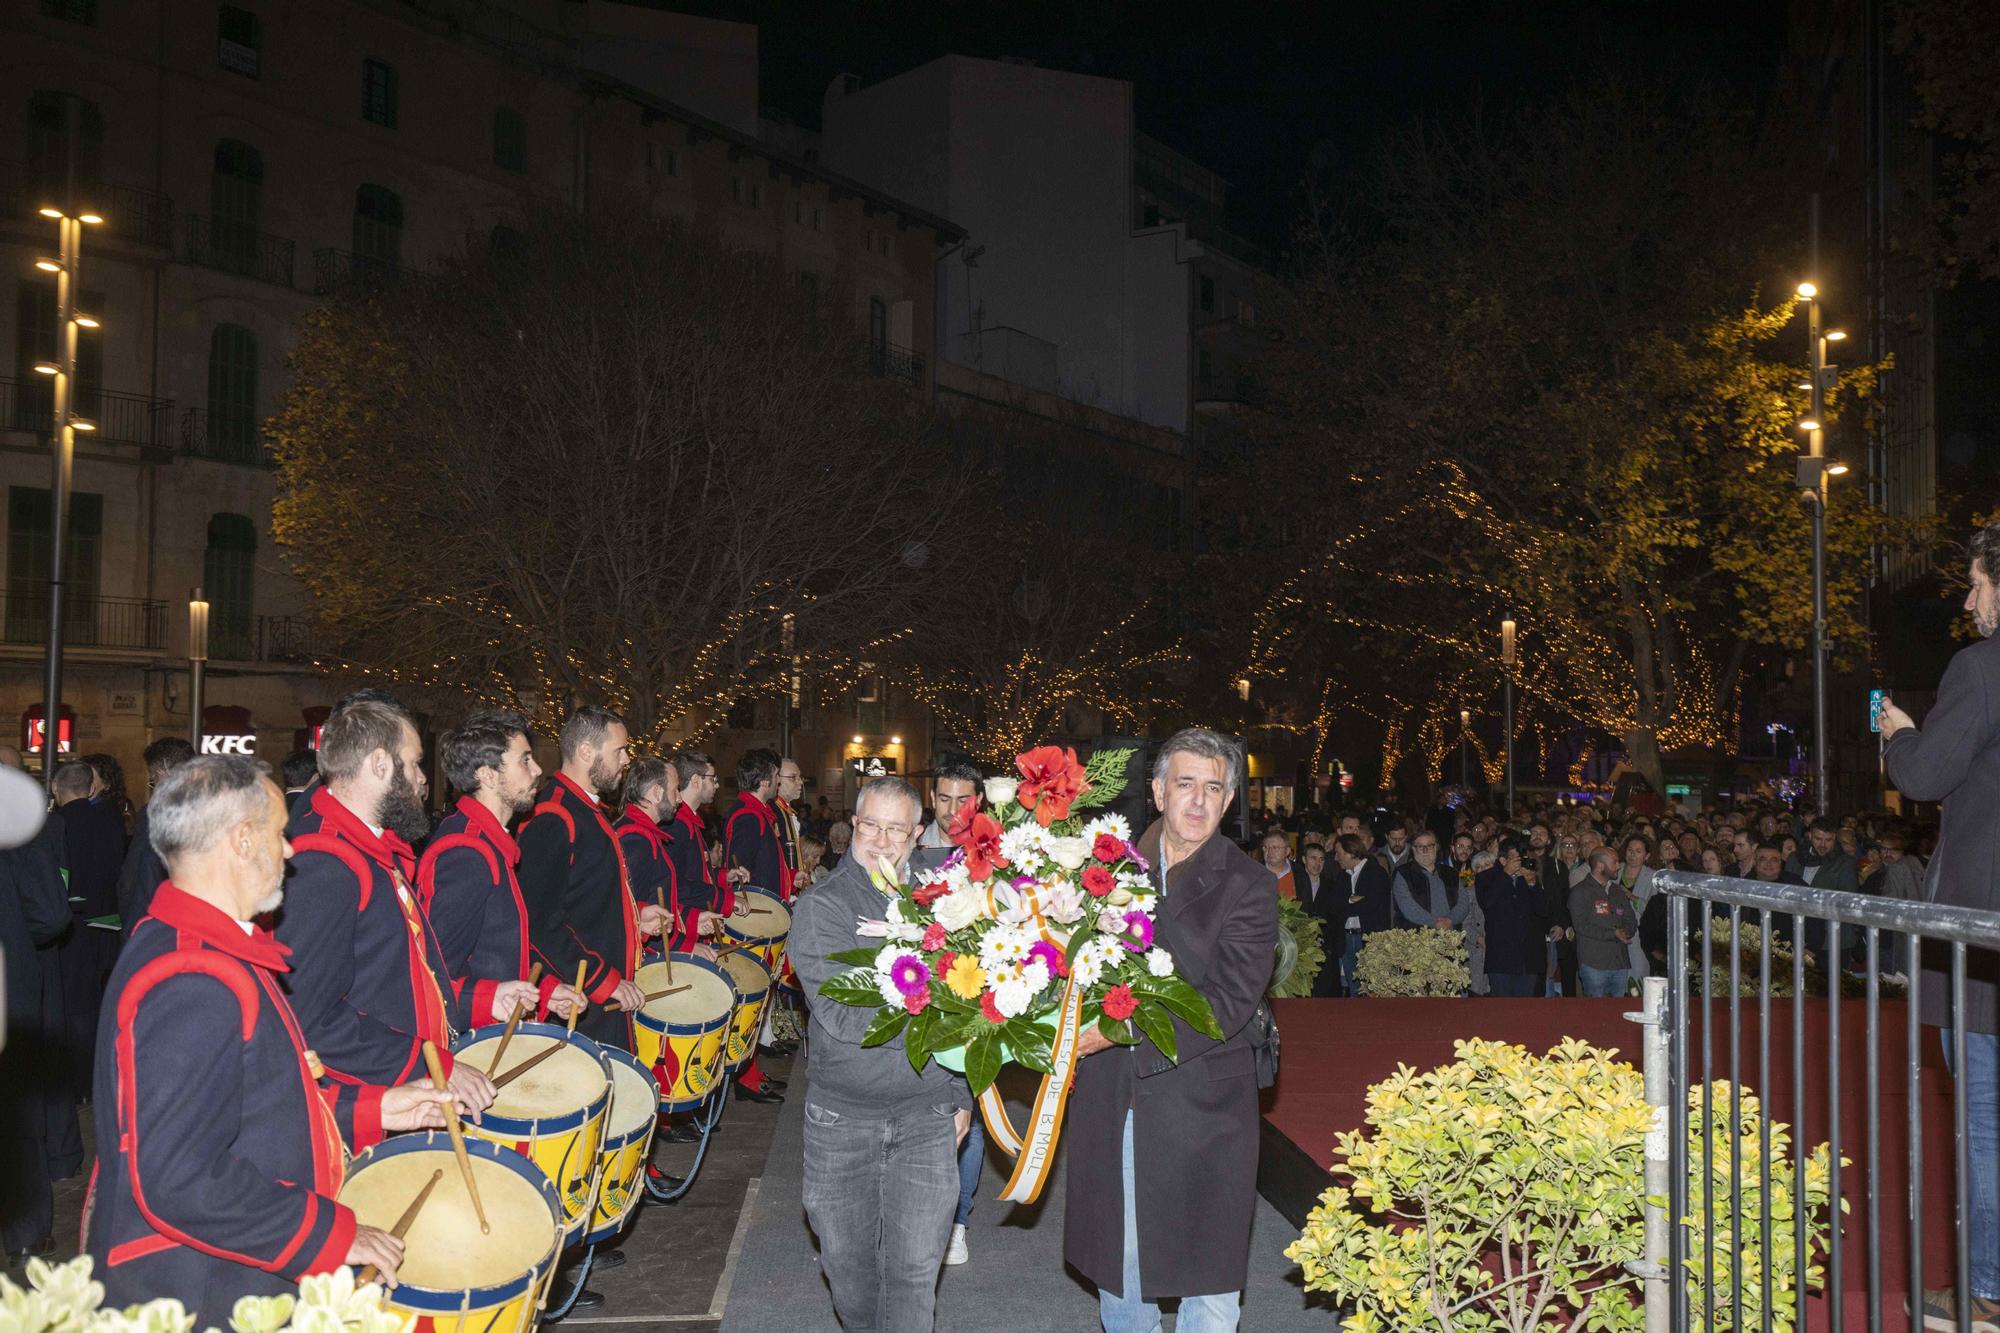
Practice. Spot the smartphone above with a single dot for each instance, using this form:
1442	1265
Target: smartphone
1876	698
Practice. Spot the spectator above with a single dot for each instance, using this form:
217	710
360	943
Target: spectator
811	853
297	772
1516	924
838	834
93	847
1361	911
1426	892
1276	853
1395	849
1605	927
143	869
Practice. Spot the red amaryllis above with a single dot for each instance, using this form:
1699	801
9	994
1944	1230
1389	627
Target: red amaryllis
1107	849
1051	778
1119	1003
988	1008
1097	881
978	834
926	894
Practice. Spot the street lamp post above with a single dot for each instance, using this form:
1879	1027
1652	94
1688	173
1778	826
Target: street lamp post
1465	750
197	662
1814	471
1507	628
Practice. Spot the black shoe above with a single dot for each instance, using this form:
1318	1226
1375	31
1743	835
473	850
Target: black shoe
778	1050
659	1179
44	1248
680	1134
605	1260
744	1094
773	1084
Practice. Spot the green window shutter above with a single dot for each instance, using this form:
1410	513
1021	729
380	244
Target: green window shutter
228	580
232	394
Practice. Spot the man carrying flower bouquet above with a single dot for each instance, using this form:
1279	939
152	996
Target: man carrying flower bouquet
881	1141
1157	1143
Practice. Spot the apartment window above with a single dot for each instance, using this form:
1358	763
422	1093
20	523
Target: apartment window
1207	293
71	11
235	195
1204	367
232	394
662	161
378	225
51	117
1246	314
29	528
878	324
735	189
239	40
228	581
378	92
815	217
798	212
510	140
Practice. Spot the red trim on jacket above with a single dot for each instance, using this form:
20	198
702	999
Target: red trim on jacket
767	823
725	892
629	965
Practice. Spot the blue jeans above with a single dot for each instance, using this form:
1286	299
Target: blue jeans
879	1193
1348	957
1982	1146
971	1158
1130	1313
1603	981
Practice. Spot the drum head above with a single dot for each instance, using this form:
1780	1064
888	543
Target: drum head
709	995
444	1250
766	919
564	1083
747	973
635	1098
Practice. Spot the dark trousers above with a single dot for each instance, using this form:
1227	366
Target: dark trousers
1511	984
1566	967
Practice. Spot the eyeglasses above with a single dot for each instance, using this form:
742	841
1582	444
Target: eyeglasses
871	825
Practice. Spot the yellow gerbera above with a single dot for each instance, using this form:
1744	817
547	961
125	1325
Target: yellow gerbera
966	977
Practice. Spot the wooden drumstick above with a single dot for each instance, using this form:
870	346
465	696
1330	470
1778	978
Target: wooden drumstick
457	1138
651	996
534	976
527	1064
582	964
666	933
402	1228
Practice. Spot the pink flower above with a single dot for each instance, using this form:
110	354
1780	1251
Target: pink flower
1051	957
987	1007
1097	881
1140	927
1119	1003
909	975
933	937
917	1001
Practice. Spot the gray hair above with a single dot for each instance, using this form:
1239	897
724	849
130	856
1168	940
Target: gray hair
74	779
875	792
198	803
1203	744
1985	550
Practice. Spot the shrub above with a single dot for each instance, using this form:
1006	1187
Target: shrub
61	1298
1506	1191
1301	954
1424	962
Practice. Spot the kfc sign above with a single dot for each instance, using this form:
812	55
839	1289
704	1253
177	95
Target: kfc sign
226	729
243	745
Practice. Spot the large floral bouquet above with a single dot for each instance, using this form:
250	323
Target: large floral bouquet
1039	923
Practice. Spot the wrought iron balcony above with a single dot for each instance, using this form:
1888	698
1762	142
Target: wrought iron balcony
345	273
222	440
896	363
231	247
291	639
130	213
88	622
122	418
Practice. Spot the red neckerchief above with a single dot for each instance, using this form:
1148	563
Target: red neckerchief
482	822
176	907
686	816
647	827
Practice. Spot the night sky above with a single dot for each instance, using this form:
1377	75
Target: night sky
1255	90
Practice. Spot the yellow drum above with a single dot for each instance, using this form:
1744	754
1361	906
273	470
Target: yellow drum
628	1141
553	1114
753	992
679	1037
762	928
453	1279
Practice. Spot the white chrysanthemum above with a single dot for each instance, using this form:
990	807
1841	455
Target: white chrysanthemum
1115	825
1088	967
1036	976
1004	948
1135	881
956	876
1012	997
1025	846
958	909
1159	962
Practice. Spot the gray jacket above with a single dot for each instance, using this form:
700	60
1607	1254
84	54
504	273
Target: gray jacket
1599	912
841	1075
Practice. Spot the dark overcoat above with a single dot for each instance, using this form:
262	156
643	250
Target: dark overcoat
1194	1125
1954	758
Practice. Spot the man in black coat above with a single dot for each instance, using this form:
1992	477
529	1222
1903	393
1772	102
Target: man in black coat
93	848
1517	924
33	916
1955	759
1181	1226
143	870
1363	908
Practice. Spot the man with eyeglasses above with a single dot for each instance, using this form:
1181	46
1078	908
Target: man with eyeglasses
881	1140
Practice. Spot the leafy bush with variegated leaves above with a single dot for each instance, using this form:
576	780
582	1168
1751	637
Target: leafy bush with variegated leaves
62	1298
1412	963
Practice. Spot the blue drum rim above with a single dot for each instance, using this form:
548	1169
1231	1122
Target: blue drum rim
651	1024
560	1124
729	929
436	1300
611	1144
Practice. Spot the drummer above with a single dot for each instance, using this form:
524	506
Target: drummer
574	881
217	1174
652	790
466	878
755	837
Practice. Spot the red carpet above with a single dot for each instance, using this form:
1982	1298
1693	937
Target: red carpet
1334	1049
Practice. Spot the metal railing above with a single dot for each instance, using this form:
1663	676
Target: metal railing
121	418
896	363
232	247
345	273
291	639
200	440
130	213
1838	942
88	622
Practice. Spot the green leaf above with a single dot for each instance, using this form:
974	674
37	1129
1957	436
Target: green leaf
1114	1031
854	957
1105	772
1183	1001
958	1029
1030	1045
885	1027
1159	1029
917	1037
982	1060
855	988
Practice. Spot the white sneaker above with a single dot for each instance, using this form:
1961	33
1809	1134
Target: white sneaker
957	1253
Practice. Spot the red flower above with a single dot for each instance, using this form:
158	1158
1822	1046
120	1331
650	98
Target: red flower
1107	849
926	894
979	834
1119	1004
1051	778
918	1002
943	963
1097	881
993	1015
933	936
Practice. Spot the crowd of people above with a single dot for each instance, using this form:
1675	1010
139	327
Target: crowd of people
1560	899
